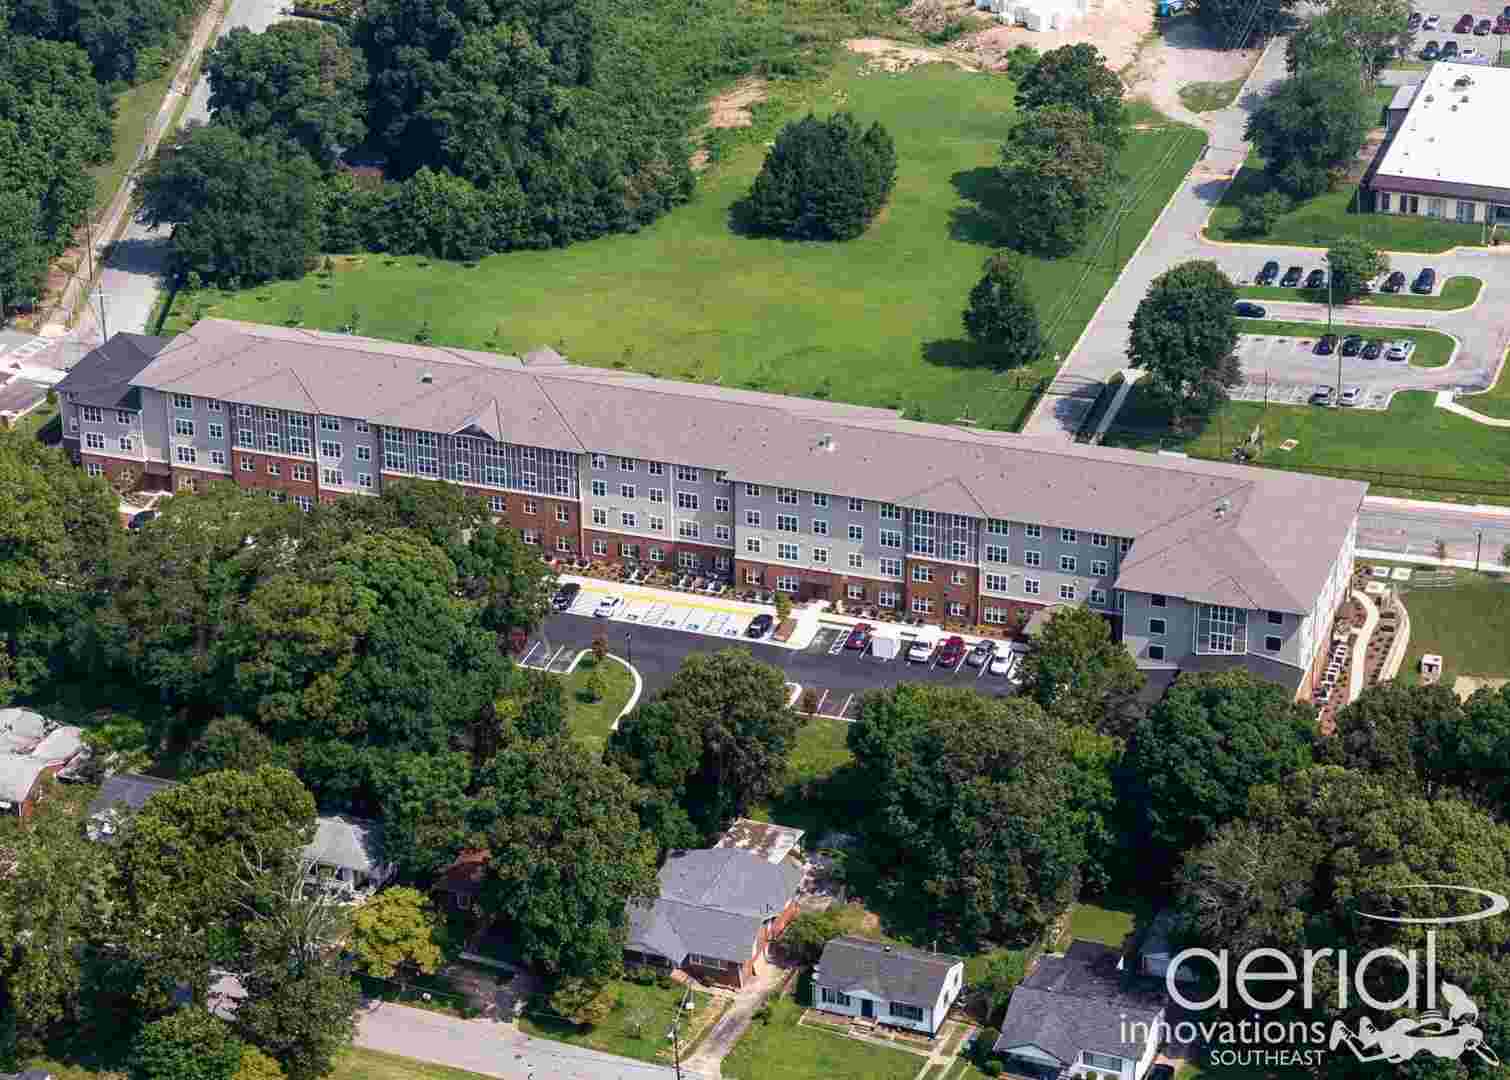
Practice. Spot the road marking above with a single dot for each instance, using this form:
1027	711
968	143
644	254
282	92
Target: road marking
845	710
525	659
819	707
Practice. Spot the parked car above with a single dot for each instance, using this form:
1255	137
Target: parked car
1431	23
1316	279
1401	350
566	596
1248	310
1464	24
1425	281
759	626
1414	22
952	651
1005	665
1267	275
1432	50
1292	277
1481	28
1373	349
1468	53
1351	395
140	518
1449	51
1502	24
1352	345
982	654
859	637
1326	344
920	651
1323	395
607	606
1395	282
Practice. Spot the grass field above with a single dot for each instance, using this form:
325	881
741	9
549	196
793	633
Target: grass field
1433	349
1467	624
1496	400
874	321
822	750
1209	96
780	1050
1110	922
590	721
135	109
637	1026
1457	293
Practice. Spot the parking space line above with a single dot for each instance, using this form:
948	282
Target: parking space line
524	661
819	707
844	711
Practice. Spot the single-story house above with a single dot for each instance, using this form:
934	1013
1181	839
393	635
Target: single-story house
717	911
120	796
460	884
1157	949
346	857
32	746
1077	1014
890	984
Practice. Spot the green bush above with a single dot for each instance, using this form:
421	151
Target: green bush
822	180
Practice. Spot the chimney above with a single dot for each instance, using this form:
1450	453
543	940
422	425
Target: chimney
426	377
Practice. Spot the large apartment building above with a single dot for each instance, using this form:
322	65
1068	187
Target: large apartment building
1197	564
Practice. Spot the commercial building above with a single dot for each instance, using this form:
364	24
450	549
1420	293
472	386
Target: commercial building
1447	156
1195	563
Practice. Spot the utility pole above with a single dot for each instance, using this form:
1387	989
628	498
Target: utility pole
1479	550
676	1032
628	648
104	327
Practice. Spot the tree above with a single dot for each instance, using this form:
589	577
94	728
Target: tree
1075	76
300	80
302	1022
229	742
241	209
190	1044
255	1065
1199	750
565	855
1002	317
592	686
1309	126
1352	264
424	807
1005	968
1258	214
1235	22
582	1001
806	935
394	933
1062	174
1360	35
1184	335
823	179
1077	672
659	754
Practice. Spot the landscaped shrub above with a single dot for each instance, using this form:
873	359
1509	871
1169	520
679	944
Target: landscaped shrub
823	180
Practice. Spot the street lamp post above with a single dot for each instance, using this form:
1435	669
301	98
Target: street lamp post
628	649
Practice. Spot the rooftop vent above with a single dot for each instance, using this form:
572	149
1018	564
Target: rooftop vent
826	442
888	948
1222	507
426	377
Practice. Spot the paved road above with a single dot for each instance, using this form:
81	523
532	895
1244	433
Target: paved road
1400	525
491	1048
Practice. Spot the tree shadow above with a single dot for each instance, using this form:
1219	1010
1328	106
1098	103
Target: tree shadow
742	219
957	353
980	220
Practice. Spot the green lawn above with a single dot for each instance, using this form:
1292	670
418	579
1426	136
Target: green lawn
359	1064
1433	349
1496	400
36	420
814	797
136	108
1209	96
874	321
1457	292
780	1050
1318	221
1110	922
590	721
637	1026
1467	624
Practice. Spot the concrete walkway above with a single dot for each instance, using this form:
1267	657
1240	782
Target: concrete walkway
1361	638
1445	401
940	1056
716	1045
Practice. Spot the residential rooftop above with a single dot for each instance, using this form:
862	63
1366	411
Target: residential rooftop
1452	139
712	902
1079	1001
892	972
770	841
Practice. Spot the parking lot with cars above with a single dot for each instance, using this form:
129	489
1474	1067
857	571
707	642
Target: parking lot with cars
1463	33
1288	370
1417	276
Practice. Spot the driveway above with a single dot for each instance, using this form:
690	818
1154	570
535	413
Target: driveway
708	1060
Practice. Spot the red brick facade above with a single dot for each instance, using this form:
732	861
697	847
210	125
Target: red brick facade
123	475
554	519
261	478
735	978
670	547
942	590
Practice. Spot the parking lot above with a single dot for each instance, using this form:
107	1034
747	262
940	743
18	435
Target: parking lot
845	663
1487	45
688	613
1284	371
1245	270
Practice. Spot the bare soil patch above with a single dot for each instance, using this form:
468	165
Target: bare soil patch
731	109
893	57
1116	27
1465	685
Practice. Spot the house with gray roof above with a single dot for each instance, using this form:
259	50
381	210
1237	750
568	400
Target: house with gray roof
887	984
1078	1014
120	796
31	747
717	911
346	858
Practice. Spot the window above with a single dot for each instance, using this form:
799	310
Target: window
1222	629
1156	627
752	545
626	464
956	610
857	534
1102	1061
599	516
1099	568
531	506
723	532
212	405
655	468
997	528
599	461
1124	546
94	440
184	428
1157	600
856	561
294	419
216	431
958	577
94	468
1098	597
752	491
497	504
183	401
332	477
1156	652
1272	643
1067	591
819	499
600	489
891	538
689	530
92	414
303	472
886	599
530	536
789	552
657	555
721	504
721	477
686	500
786	522
600	547
994	615
752	518
562	485
364	453
461	470
563	544
275	468
854	592
1384	201
1033	532
689	560
922	572
247	464
125	442
922	605
907	1012
1434	207
997	554
686	474
330	423
123	417
891	512
997	582
244	411
752	576
820	527
820	555
1276	618
626	491
787	583
857	506
1100	540
1067	564
786	496
360	426
330	449
1032	558
304	502
217	457
1031	586
1068	536
1119	600
891	568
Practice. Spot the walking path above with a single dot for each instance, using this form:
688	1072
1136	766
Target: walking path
1445	401
716	1045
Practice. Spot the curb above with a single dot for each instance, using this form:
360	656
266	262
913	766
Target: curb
634	698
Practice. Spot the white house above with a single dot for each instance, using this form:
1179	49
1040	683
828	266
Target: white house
1077	1014
887	984
346	859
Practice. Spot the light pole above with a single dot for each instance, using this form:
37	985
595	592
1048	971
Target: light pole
628	649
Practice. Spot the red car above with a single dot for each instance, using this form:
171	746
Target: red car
1464	25
951	652
859	637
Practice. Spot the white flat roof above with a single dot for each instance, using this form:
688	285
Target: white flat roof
1446	139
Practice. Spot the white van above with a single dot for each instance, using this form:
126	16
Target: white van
921	649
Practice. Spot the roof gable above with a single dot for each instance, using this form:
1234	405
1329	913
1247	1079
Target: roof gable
1079	1001
889	972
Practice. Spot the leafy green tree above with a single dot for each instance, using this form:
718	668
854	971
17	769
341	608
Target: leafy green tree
582	1000
242	210
565	854
23	254
1184	334
1062	174
394	933
806	935
823	179
1077	672
1353	263
1075	76
299	80
190	1044
1001	315
1309	126
1005	968
255	1065
303	1022
229	742
1236	24
424	806
1200	749
1361	35
1258	214
656	750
